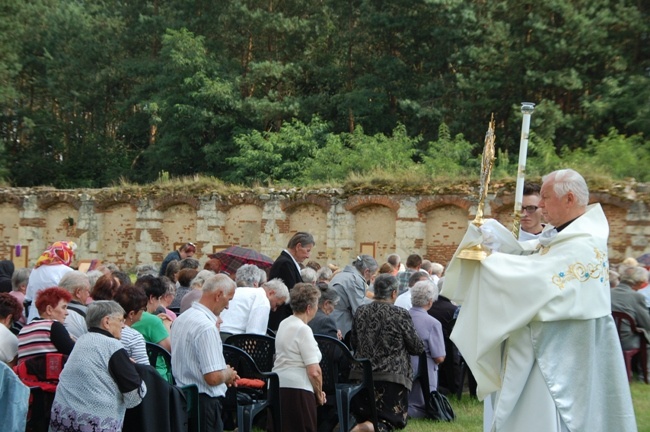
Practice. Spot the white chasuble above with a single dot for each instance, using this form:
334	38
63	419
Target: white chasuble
535	327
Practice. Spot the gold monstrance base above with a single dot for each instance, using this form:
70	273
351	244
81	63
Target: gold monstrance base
480	252
475	253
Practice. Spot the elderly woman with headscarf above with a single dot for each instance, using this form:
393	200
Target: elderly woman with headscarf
429	329
46	334
384	333
98	362
297	362
48	271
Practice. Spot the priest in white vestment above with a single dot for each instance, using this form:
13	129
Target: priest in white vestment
535	325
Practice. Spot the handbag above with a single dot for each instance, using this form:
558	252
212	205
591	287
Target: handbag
438	408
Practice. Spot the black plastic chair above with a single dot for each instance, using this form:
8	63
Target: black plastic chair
155	352
422	375
260	347
254	402
335	364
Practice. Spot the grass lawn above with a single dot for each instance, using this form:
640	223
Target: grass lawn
469	414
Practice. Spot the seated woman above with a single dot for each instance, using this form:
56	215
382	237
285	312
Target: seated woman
429	329
46	334
384	333
98	362
322	322
134	301
10	311
297	362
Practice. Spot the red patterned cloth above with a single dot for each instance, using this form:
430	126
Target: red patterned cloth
60	252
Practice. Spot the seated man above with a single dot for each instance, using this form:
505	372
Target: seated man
78	285
625	298
197	353
249	309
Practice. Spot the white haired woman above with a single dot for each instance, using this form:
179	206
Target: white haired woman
98	362
429	329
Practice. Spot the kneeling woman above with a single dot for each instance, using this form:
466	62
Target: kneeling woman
297	362
98	362
384	333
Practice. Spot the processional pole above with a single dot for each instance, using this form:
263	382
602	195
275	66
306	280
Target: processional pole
527	109
479	252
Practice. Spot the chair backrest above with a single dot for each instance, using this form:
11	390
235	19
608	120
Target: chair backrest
335	362
622	317
260	348
158	354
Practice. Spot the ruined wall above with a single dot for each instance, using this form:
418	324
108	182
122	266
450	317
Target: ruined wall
130	230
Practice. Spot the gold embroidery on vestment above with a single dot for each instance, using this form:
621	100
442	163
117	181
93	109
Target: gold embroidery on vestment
583	272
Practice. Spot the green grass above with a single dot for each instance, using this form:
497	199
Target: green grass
469	414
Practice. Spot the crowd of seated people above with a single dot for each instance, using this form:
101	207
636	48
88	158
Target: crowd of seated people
146	308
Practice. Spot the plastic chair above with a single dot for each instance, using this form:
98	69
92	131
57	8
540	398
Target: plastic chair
191	393
156	352
255	403
422	375
39	411
619	318
335	364
260	347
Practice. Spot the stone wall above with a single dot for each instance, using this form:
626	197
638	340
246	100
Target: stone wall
130	229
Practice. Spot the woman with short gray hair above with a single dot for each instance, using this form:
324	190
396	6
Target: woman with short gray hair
98	362
429	329
322	322
384	334
351	285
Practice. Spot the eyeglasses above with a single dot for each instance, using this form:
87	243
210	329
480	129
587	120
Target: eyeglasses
530	209
119	318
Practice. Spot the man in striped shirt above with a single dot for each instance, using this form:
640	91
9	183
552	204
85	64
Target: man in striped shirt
197	353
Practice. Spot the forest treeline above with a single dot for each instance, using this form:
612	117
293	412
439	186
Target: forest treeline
97	91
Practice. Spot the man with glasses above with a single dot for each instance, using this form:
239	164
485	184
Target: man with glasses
531	213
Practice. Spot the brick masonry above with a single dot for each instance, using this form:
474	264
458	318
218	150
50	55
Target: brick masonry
129	231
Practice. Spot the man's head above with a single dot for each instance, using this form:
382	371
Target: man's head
564	196
187	250
418	276
394	260
218	290
413	262
77	284
633	276
531	213
277	292
300	246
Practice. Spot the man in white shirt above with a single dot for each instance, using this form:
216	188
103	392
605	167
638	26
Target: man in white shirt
197	353
404	300
77	284
249	309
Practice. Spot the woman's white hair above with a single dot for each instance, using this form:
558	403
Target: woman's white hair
423	292
568	180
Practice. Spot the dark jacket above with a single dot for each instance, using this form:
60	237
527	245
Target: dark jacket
163	409
285	269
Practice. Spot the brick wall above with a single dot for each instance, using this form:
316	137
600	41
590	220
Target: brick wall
130	231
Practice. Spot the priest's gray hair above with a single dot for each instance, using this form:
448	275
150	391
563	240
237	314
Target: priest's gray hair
568	180
423	292
99	309
633	275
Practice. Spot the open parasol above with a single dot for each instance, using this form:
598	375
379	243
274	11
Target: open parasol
236	256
